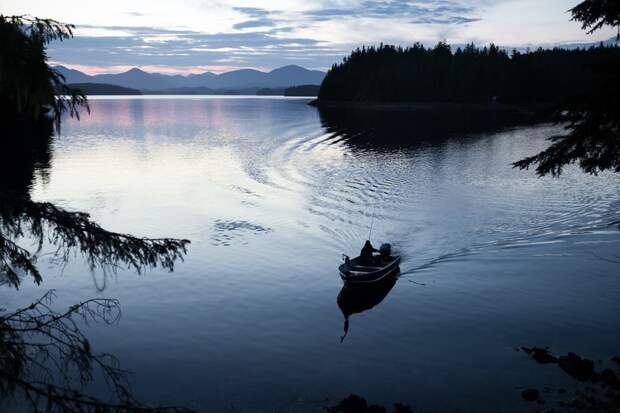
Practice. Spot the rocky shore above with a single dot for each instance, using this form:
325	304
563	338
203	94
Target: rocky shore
598	389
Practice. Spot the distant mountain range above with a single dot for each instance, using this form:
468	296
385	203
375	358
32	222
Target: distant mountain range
612	41
247	79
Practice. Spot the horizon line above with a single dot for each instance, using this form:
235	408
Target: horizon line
168	70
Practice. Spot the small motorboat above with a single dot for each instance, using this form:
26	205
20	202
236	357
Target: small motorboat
357	271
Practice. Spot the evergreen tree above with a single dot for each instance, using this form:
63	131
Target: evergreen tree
593	116
28	85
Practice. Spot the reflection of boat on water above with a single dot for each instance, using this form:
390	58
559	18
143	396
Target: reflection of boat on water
356	298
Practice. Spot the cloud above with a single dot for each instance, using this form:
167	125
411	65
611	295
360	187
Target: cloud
252	11
427	12
146	46
265	37
135	13
254	23
329	13
207	33
445	20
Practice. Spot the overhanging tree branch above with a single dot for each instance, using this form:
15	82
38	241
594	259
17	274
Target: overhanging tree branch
75	233
46	360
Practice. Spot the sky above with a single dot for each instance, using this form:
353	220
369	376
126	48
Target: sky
194	36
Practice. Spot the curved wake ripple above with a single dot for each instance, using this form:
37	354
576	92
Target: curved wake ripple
438	202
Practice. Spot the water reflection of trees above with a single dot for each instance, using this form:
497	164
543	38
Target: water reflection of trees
69	232
25	156
45	359
381	129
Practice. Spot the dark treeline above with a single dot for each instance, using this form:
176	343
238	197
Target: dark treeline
417	74
302	90
103	89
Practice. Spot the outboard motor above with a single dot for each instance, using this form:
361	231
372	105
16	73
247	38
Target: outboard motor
385	250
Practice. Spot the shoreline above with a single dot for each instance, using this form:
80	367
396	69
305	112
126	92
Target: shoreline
422	106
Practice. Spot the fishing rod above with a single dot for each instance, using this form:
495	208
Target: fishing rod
372	221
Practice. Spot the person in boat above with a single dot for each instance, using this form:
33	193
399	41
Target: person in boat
366	253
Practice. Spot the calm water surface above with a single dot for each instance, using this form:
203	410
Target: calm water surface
271	193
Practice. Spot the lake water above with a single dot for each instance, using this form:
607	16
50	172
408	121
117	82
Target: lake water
271	192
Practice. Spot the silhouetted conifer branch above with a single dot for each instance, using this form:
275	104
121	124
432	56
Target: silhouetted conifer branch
592	117
47	361
593	139
594	14
74	232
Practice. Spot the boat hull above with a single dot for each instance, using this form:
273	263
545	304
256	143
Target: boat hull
356	273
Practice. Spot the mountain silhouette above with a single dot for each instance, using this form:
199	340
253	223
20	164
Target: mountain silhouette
135	78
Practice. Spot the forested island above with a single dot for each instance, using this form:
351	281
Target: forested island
302	90
467	75
103	89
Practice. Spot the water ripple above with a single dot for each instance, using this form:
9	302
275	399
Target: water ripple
227	231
